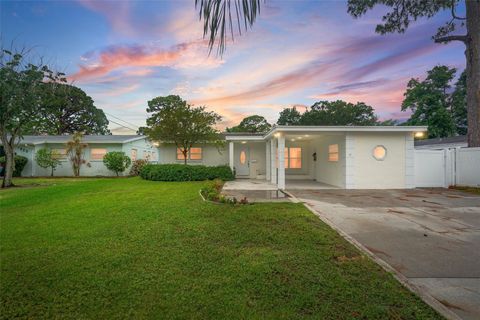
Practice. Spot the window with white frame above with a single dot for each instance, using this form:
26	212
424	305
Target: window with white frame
293	158
97	153
133	154
333	153
192	154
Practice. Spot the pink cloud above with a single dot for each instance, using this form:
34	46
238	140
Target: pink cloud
117	13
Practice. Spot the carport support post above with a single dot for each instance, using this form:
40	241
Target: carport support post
273	169
267	161
231	155
281	162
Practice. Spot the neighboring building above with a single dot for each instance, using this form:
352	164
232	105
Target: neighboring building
350	157
442	143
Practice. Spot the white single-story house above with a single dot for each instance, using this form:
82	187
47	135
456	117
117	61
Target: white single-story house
347	157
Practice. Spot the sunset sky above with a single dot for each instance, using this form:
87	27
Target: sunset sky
123	54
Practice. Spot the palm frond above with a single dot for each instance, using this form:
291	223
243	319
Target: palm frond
218	20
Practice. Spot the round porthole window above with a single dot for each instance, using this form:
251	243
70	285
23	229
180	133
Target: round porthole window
379	153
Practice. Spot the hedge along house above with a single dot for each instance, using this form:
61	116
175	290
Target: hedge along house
348	157
134	146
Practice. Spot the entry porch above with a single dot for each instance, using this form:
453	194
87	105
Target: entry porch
287	161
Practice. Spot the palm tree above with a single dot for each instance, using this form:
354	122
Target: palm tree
219	16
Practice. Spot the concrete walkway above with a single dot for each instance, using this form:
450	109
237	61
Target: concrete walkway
430	237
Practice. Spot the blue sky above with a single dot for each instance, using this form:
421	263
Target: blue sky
126	53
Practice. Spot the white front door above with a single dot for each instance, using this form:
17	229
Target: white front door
243	162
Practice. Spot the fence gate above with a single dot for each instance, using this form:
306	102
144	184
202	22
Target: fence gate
442	168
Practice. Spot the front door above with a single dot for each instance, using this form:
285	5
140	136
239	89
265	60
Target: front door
243	162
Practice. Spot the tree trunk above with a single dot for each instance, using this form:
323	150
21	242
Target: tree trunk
9	161
52	172
473	72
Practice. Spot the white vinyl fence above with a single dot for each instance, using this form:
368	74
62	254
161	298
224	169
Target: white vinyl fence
446	167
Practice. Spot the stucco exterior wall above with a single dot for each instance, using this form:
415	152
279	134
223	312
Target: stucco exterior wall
144	148
95	167
370	173
211	156
329	172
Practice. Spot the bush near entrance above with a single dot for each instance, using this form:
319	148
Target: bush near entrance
181	172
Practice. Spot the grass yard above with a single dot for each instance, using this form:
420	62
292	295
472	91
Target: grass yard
128	248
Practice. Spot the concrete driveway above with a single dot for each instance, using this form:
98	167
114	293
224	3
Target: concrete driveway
431	236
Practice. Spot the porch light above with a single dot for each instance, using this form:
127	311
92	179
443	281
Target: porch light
419	134
306	136
293	140
276	135
156	144
243	142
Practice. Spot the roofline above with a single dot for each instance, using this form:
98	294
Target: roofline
245	138
135	139
345	128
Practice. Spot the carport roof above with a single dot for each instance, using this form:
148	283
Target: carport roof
312	129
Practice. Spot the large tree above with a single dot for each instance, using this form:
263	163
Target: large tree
289	117
218	24
459	104
252	124
432	103
175	121
339	113
21	84
66	109
406	11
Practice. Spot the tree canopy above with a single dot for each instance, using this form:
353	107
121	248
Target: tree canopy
66	109
432	103
289	117
398	20
21	85
173	120
252	124
339	113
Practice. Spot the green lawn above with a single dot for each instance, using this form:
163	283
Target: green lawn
128	248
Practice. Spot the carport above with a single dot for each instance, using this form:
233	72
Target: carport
346	157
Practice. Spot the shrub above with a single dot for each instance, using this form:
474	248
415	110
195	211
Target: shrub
47	158
181	172
116	161
212	190
20	163
137	166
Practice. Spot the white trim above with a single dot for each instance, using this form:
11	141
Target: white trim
267	161
303	129
244	138
281	163
409	161
349	161
273	160
231	156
